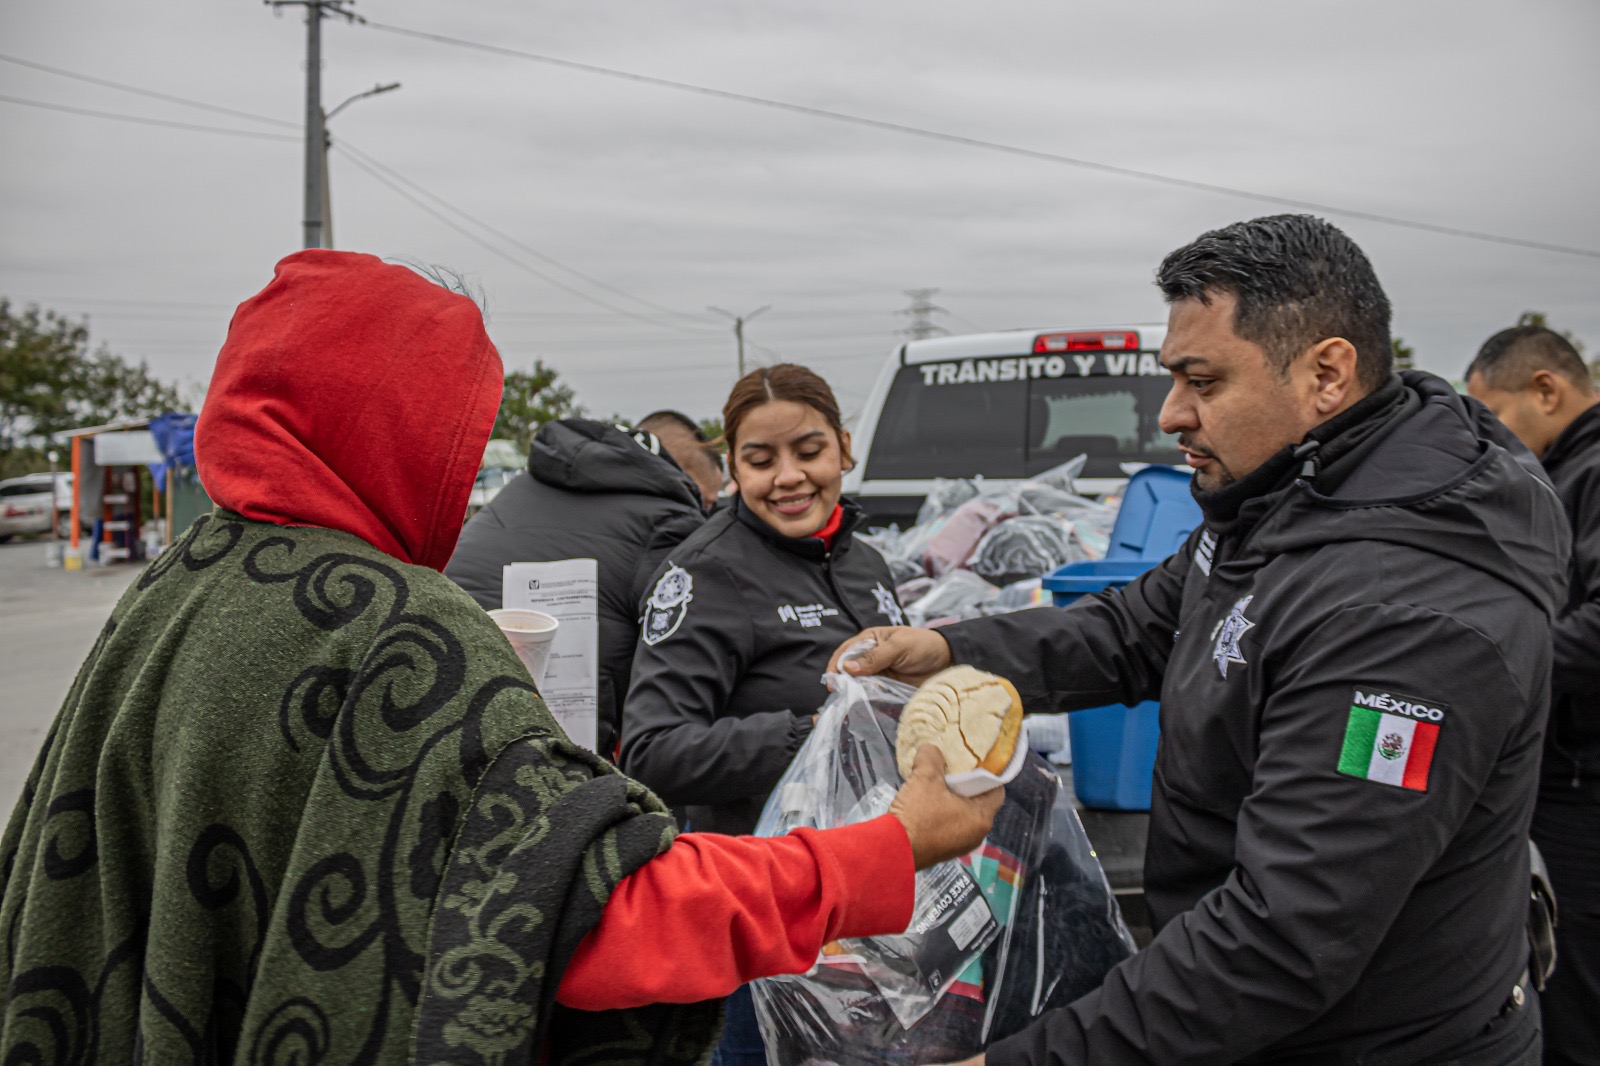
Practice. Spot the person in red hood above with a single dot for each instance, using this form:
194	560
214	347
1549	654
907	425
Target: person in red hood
303	802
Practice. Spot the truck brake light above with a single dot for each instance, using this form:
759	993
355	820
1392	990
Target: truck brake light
1113	340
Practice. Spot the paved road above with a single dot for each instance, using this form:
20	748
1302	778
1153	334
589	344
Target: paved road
48	621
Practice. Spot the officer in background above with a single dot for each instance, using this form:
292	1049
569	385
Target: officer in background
596	491
1535	381
1352	655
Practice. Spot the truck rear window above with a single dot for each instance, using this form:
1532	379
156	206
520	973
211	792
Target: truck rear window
989	417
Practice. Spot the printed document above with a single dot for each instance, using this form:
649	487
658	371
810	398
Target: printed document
570	591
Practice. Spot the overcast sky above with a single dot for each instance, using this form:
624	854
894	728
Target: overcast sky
1458	113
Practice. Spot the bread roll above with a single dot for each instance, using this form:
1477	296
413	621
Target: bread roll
975	719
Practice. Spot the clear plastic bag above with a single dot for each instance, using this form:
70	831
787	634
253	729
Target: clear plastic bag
1026	546
958	594
958	513
1032	919
945	495
951	547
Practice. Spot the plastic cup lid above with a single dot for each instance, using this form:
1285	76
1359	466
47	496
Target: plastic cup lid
523	622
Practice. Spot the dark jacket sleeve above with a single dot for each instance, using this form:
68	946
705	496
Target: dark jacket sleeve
1577	632
677	735
1325	861
1111	647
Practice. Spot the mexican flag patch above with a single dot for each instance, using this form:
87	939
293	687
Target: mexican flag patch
1390	738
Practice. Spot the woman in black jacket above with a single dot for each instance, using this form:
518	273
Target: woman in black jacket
739	623
741	619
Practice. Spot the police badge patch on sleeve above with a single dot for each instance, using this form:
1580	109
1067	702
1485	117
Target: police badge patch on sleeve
668	605
888	606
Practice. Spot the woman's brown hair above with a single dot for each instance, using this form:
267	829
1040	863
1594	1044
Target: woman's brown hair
782	381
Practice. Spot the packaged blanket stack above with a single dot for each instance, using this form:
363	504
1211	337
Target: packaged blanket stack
977	549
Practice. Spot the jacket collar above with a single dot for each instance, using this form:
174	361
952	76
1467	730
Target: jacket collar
806	547
1318	454
1581	434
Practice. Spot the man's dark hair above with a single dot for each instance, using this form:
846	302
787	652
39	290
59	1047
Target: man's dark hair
1298	280
1509	359
671	420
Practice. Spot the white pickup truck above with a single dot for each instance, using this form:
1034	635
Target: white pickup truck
1006	406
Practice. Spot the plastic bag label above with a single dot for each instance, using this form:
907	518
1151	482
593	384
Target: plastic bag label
965	929
949	926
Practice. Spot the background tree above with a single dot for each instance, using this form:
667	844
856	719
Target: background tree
40	364
50	381
532	398
1404	357
712	428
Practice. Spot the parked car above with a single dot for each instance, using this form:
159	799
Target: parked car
502	461
1008	405
25	505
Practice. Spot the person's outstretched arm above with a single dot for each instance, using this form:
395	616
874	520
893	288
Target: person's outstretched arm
1110	647
713	912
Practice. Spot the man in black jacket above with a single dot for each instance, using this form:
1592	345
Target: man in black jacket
1535	381
594	491
1352	655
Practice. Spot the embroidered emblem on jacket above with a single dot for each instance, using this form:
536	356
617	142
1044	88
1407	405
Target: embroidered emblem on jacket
809	615
888	606
1229	631
1390	738
668	604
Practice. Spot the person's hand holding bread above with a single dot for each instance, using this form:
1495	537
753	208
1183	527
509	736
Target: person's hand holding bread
961	719
941	824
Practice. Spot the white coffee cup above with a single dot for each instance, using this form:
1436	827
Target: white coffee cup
531	634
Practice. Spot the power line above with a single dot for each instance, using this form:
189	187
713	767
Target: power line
394	185
541	256
122	300
992	146
352	151
146	92
147	121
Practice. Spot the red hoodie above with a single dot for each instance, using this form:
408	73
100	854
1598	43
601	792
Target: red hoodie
356	395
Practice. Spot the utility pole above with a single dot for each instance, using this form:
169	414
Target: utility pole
738	327
316	134
921	313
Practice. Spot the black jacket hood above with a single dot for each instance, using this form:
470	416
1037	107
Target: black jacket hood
582	455
1449	479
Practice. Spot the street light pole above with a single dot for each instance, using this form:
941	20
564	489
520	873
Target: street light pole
738	327
327	143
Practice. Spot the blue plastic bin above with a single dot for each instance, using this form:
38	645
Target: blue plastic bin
1114	748
1158	513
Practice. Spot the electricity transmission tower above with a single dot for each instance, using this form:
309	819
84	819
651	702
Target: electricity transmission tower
921	312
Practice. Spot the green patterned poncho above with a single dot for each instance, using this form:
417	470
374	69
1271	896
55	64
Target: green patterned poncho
302	805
